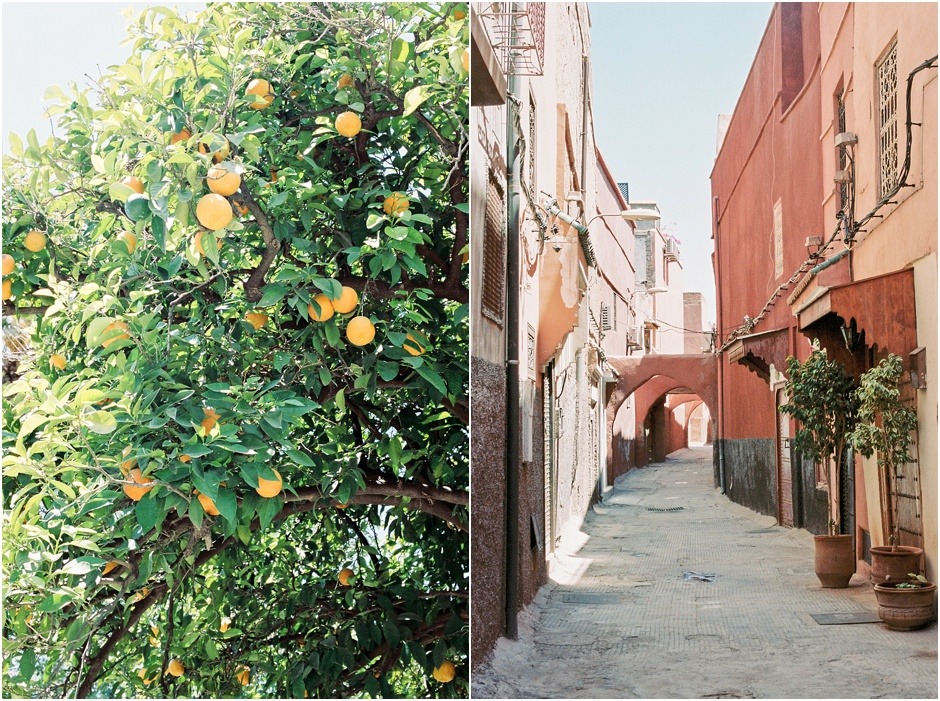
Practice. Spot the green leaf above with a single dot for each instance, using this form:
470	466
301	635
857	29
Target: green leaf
300	458
415	97
147	512
273	293
27	664
100	422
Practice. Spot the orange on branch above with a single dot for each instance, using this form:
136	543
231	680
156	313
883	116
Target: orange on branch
396	203
326	308
344	575
127	464
260	88
175	668
243	676
134	183
207	504
256	319
347	300
7	290
360	330
445	673
221	154
465	60
129	240
344	81
348	124
270	488
181	135
109	330
214	212
139	487
223	179
35	241
9	265
415	346
198	241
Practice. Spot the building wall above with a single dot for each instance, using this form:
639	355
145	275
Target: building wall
693	339
766	186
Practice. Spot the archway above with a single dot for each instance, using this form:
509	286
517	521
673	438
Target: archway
641	389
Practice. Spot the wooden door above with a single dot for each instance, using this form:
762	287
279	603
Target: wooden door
784	471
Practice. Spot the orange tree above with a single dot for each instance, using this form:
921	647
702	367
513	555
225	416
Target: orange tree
235	457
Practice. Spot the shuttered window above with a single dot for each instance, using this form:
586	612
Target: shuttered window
494	253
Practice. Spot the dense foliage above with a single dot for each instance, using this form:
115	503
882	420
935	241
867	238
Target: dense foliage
165	350
821	397
886	425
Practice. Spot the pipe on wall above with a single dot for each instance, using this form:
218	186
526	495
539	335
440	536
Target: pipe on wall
513	442
719	421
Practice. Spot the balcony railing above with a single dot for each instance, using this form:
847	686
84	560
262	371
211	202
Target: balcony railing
516	32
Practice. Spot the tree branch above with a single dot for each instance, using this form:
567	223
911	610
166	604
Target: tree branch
272	246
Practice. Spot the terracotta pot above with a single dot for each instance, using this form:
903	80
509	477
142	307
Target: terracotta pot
835	560
894	564
905	609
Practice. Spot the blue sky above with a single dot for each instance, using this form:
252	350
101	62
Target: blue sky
55	43
663	72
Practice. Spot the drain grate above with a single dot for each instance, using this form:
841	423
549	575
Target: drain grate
839	619
665	510
574	598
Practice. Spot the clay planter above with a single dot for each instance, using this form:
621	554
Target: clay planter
905	609
894	564
835	560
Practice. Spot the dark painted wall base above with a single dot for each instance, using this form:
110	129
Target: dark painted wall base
750	473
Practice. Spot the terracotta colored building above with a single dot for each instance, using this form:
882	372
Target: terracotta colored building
825	227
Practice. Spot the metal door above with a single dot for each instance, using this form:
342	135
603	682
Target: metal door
549	452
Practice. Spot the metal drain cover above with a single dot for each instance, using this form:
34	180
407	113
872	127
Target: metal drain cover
838	619
664	510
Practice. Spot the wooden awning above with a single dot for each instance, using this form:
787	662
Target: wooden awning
759	351
882	307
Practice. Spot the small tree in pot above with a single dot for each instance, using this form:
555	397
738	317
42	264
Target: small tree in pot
821	397
885	426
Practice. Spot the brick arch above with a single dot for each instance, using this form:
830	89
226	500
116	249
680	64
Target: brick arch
657	374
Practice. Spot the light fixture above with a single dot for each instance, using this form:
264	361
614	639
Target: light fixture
813	244
851	337
640	214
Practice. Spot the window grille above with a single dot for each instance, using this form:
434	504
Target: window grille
843	156
531	146
606	324
494	253
887	72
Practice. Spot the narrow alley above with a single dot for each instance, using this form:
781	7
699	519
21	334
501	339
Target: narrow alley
675	591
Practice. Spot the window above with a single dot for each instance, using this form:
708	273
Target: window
843	156
887	75
531	147
494	252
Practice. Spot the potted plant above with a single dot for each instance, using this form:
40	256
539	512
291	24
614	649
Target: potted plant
906	605
821	397
885	426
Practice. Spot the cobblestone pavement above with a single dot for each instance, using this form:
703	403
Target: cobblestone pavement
619	620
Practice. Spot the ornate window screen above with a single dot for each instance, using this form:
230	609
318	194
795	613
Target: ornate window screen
494	252
517	34
887	72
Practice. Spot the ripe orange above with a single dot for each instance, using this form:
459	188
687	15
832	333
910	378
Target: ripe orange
415	345
181	135
445	673
137	490
129	240
134	183
109	330
225	624
459	14
347	301
175	668
214	212
243	676
326	308
344	81
198	241
185	458
396	203
221	154
348	124
256	319
7	288
465	60
35	241
269	488
207	504
223	179
344	575
261	88
360	330
211	417
9	265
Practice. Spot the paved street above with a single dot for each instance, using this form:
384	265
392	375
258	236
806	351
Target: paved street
621	621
